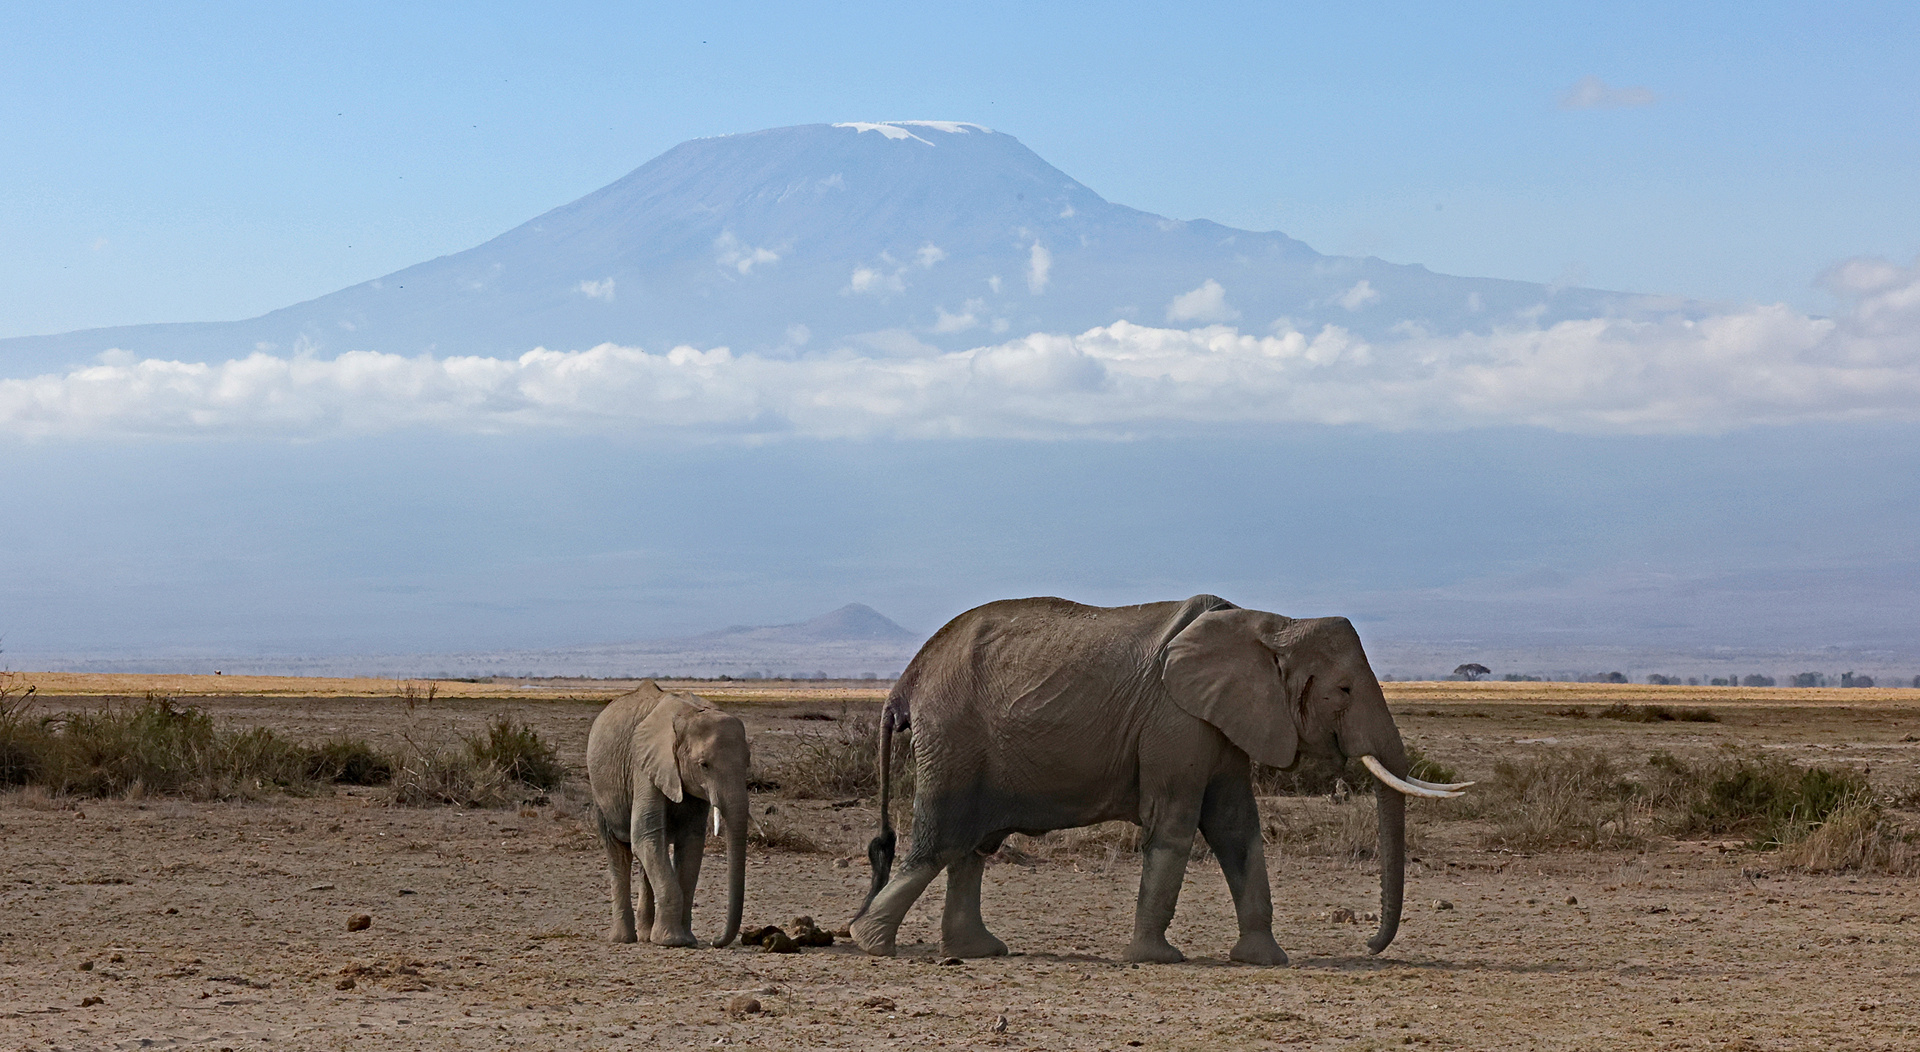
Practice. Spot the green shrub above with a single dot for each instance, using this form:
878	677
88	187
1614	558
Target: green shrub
519	752
158	747
349	761
1657	714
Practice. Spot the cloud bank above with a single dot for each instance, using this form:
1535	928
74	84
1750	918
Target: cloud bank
1757	366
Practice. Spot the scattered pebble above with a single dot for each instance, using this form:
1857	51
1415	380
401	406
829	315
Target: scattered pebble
345	984
89	1002
321	887
359	922
1342	915
1573	900
951	961
741	1004
86	966
879	1003
999	1025
1442	904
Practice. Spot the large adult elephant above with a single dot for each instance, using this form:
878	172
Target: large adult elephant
1030	715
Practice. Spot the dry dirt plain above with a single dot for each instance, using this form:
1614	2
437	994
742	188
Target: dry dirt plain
223	926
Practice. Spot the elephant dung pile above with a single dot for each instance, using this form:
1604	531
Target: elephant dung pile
800	931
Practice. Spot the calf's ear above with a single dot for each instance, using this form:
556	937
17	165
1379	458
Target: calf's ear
653	752
1222	669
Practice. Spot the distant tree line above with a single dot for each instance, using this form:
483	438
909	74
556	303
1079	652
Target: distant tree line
1473	670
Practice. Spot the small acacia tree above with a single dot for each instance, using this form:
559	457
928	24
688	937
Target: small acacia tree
1471	670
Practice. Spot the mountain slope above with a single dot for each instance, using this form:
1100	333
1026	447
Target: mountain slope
891	238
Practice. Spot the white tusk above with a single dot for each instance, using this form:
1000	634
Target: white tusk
1436	785
716	821
1380	771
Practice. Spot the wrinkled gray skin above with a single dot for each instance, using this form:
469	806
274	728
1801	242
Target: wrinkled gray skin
1037	714
656	762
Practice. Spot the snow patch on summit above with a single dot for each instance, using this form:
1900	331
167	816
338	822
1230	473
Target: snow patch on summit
898	129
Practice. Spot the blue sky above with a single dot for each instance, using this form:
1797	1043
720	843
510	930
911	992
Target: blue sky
1739	477
210	161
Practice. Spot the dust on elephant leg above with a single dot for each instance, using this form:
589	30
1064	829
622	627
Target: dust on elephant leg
620	867
962	931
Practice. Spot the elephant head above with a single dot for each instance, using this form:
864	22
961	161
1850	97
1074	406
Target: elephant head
689	748
1277	687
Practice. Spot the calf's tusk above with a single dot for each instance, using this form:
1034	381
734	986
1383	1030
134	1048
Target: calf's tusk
1402	785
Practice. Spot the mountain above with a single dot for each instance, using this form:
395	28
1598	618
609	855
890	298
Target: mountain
855	641
896	238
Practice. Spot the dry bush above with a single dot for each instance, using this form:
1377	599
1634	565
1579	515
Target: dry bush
22	739
1856	836
778	836
1316	775
840	761
1107	842
518	751
1620	710
1561	798
1348	829
434	778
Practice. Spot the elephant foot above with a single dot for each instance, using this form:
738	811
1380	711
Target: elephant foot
623	935
872	936
662	937
1152	951
979	943
1258	948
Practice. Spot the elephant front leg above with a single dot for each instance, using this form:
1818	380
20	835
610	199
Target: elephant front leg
1230	820
670	927
962	931
620	867
689	850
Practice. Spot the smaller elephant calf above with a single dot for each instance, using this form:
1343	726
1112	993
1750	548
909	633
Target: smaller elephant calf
657	762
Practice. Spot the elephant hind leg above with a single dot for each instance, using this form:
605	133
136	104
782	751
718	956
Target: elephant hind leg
962	932
875	930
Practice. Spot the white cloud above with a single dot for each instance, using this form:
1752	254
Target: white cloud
891	275
1208	303
730	251
1039	268
1756	366
869	281
1361	294
597	290
945	322
1592	93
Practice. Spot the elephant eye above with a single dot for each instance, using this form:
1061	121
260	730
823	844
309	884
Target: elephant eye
1346	690
704	763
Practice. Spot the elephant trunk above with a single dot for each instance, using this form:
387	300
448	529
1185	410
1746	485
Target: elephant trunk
1392	806
733	812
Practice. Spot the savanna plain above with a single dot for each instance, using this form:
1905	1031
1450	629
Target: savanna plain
411	865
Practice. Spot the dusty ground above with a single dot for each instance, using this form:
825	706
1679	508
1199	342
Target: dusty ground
224	925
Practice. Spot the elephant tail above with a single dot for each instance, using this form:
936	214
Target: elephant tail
880	849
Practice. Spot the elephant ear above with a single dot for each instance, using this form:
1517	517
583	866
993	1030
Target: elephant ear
1222	669
653	746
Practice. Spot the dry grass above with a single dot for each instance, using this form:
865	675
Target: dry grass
839	761
1856	837
434	778
775	835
